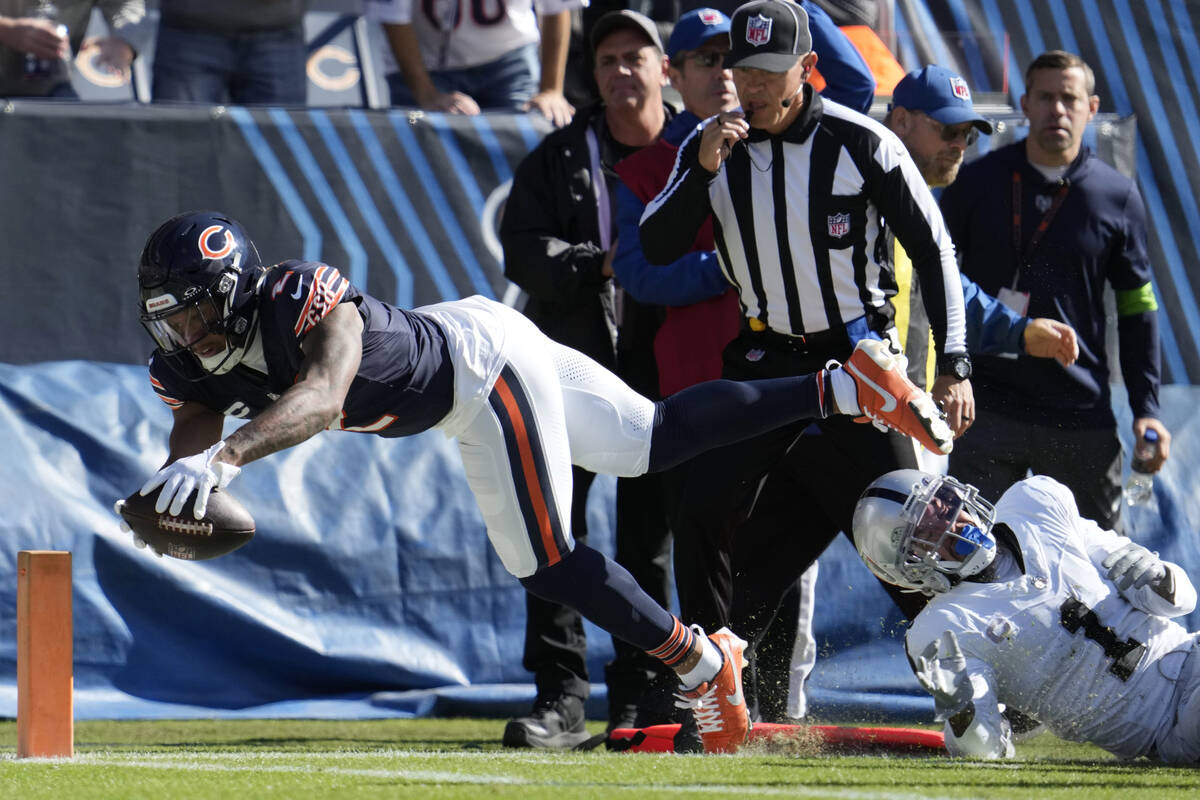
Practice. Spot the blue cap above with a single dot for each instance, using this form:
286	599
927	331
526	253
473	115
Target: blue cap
695	28
939	93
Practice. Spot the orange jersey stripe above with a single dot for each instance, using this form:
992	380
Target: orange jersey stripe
525	447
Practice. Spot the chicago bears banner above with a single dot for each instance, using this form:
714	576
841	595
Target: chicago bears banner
405	204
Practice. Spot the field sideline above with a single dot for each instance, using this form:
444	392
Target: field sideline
462	758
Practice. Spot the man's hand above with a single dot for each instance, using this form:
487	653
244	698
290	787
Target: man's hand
115	57
1133	566
1164	440
957	401
38	37
720	134
606	268
200	473
554	107
1049	338
450	102
942	670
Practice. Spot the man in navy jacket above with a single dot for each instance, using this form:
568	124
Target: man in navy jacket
1042	224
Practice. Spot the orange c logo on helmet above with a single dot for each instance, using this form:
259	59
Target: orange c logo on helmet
223	250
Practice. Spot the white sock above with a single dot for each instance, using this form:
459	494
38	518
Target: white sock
710	664
845	392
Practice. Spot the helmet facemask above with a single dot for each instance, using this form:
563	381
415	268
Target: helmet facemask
922	532
198	276
947	529
178	323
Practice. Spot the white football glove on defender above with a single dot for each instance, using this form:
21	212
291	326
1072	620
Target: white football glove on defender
197	473
1134	566
942	670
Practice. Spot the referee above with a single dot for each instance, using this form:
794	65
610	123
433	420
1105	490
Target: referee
805	195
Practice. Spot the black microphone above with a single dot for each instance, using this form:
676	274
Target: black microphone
787	102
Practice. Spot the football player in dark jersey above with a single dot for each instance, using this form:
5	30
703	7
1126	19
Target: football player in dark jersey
298	350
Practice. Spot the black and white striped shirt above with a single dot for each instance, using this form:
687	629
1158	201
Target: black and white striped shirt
801	223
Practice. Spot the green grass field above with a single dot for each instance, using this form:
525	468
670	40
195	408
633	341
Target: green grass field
462	758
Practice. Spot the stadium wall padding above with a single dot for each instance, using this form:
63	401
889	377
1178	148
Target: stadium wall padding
369	588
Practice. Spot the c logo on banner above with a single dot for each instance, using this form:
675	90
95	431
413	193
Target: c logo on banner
89	68
221	252
322	78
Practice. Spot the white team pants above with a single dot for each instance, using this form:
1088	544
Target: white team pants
526	409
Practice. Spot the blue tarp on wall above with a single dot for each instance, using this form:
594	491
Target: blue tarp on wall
369	588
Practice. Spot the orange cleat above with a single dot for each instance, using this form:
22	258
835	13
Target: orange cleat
719	705
889	399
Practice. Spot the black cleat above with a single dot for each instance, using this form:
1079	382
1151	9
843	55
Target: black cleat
557	723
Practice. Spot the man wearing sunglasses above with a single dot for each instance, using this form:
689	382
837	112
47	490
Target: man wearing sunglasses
932	113
1043	224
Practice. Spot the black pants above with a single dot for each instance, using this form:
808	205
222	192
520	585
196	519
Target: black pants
815	471
998	450
555	643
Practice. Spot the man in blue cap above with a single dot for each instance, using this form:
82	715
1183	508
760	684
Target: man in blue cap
932	113
1045	224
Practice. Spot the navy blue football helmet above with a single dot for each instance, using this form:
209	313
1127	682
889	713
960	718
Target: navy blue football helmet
198	274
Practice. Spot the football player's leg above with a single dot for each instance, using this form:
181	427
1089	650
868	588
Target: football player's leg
614	430
516	447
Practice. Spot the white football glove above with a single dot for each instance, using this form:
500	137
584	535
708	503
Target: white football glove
942	670
138	541
197	473
1134	566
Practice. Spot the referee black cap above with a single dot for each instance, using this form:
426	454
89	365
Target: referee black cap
769	35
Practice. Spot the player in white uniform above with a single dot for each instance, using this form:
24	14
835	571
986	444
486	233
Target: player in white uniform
1036	608
298	350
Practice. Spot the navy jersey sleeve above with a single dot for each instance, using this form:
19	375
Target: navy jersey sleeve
296	296
171	387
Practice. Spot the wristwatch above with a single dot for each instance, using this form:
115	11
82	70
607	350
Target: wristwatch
956	365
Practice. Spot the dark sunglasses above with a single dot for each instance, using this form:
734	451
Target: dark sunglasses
706	58
950	133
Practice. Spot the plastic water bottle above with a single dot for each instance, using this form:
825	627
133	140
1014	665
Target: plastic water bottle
35	67
1140	486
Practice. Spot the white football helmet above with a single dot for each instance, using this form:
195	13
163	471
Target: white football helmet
923	532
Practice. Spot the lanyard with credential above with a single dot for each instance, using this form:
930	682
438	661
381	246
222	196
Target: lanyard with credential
1025	255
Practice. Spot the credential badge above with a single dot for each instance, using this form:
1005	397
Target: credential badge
758	30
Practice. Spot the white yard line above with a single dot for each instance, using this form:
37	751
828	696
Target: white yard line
220	762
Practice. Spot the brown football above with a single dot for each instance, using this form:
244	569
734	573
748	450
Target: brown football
226	526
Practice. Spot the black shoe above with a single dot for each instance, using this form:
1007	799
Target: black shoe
657	703
557	723
688	740
623	717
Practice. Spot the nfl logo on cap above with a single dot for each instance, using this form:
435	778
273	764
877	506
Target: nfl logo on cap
959	87
710	16
758	30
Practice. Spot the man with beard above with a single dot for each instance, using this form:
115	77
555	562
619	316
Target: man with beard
932	113
1042	224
